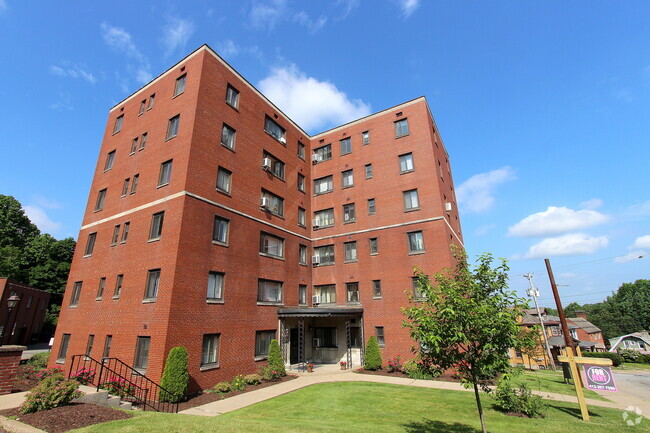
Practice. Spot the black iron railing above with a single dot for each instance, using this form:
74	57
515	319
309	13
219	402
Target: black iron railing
120	379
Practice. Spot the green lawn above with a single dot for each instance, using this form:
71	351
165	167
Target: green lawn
361	407
550	381
629	366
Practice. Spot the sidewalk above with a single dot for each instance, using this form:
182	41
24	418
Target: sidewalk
328	374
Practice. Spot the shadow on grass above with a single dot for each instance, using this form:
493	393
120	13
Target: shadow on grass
429	426
574	412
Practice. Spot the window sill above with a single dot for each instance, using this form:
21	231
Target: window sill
132	153
347	186
115	298
368	177
302	191
323	227
176	96
149	300
320	265
214	301
99	298
271	303
406	172
376	297
170	138
346	153
87	255
161	185
277	139
350	261
302	264
316	194
401	136
123	195
108	169
60	361
232	149
122	242
412	209
353	303
153	240
304	304
261	358
416	253
73	306
232	106
350	222
207	367
271	256
98	210
116	132
302	225
223	244
265	210
223	192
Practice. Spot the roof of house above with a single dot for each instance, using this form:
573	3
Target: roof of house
557	341
617	340
585	324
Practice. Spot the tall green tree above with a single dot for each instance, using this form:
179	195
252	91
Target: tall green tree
16	230
468	321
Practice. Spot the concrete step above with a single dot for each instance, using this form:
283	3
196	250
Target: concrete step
113	401
126	405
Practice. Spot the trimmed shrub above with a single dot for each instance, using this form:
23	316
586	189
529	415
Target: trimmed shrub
39	360
175	378
253	379
421	370
52	392
643	359
615	357
521	401
372	357
630	355
222	387
269	374
238	383
275	358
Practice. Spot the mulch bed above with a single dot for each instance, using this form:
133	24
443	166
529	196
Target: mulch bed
209	397
65	418
25	379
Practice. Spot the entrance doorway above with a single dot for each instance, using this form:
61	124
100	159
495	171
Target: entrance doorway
293	345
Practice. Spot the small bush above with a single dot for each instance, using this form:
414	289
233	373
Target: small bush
395	365
238	383
615	357
253	379
269	374
51	372
53	391
421	370
275	358
643	359
372	357
222	387
522	400
119	387
39	360
175	378
630	355
84	376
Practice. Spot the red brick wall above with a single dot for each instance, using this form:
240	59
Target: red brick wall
27	317
9	361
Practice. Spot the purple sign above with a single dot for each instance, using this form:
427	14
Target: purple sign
599	378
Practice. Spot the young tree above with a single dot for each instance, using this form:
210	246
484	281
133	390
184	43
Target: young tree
175	378
372	357
275	360
467	322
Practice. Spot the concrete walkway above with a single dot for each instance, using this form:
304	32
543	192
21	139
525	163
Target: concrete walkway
328	373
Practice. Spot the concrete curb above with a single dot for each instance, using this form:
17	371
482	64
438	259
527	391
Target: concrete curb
18	427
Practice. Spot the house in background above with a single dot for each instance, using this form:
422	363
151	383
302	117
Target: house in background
27	317
586	331
639	341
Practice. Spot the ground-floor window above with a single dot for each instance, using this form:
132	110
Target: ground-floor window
262	343
63	349
379	333
142	353
325	337
210	354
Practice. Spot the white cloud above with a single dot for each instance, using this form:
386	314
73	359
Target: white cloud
556	220
476	194
594	203
64	102
73	71
640	209
642	242
347	6
3	6
38	216
309	102
312	25
177	33
408	6
572	244
484	229
265	15
120	40
227	48
631	256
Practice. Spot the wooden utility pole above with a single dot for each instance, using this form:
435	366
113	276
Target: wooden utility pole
560	312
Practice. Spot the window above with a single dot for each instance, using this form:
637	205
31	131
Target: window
224	179
134	185
215	286
125	186
302	254
232	96
346	146
100	289
210	351
76	292
406	163
411	200
142	353
368	171
151	101
349	214
134	145
220	230
323	153
271	245
180	85
326	294
302	294
90	244
325	254
143	141
323	185
379	333
165	173
107	346
350	250
274	203
101	196
376	289
228	137
116	235
118	124
324	218
365	137
347	177
401	128
374	246
269	291
371	206
302	217
153	281
416	242
262	343
110	157
63	349
418	294
325	337
156	226
89	345
118	286
301	182
352	290
276	167
172	127
125	232
301	150
272	128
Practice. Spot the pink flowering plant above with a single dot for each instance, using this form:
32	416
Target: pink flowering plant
51	372
395	365
84	376
51	392
118	386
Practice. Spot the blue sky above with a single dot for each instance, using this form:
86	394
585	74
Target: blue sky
543	106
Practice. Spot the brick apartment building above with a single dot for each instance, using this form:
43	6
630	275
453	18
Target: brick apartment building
216	223
25	320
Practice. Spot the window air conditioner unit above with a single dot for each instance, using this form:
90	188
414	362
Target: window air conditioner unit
283	140
314	158
315	260
316	342
265	203
315	222
266	163
315	299
448	207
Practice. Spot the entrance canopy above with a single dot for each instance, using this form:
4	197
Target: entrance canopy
285	313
